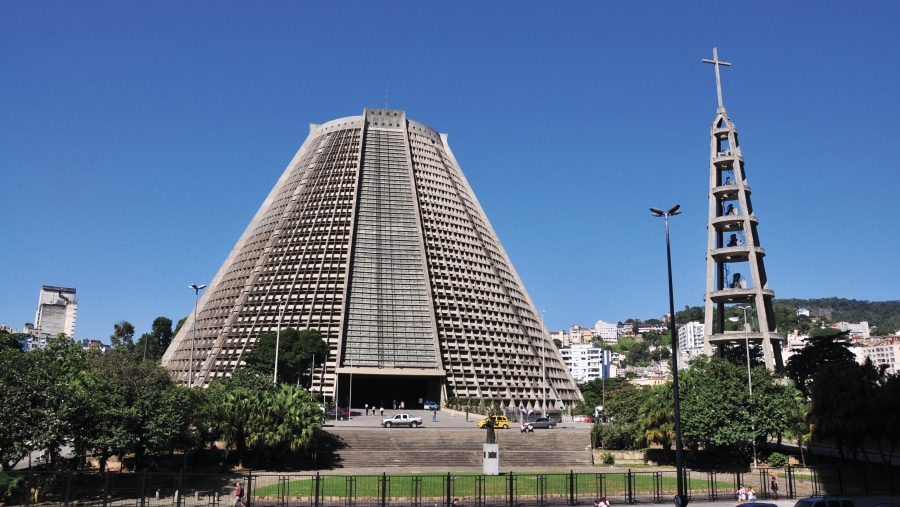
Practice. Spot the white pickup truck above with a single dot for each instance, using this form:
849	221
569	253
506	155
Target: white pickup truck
402	420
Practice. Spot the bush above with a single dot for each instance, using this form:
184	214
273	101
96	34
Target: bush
608	459
777	460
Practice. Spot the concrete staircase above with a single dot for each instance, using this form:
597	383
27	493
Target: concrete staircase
455	449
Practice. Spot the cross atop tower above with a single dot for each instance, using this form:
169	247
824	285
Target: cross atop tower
715	61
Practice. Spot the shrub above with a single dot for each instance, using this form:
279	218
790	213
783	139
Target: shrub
777	460
608	459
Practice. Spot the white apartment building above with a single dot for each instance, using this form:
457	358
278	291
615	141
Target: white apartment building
586	362
607	332
857	330
690	336
885	353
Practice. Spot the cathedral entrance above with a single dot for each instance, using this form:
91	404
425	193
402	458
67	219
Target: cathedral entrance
384	391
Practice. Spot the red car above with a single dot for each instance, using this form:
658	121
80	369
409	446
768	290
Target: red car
339	413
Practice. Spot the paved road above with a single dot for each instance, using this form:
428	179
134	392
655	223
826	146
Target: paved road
446	420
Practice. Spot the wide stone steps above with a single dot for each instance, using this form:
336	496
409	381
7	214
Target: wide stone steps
420	447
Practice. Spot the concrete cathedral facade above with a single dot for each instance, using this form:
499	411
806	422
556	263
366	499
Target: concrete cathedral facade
373	236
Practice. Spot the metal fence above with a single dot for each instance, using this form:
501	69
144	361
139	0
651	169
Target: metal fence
518	489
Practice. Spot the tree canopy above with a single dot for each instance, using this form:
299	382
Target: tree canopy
824	346
296	352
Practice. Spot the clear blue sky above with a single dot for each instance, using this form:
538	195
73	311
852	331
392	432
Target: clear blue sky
137	139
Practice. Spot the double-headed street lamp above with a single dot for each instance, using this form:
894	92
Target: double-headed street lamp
681	500
749	378
197	289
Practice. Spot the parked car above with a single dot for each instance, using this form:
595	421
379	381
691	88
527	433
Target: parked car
430	405
824	501
339	413
543	422
402	420
499	421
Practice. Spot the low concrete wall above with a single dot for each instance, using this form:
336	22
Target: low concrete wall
623	458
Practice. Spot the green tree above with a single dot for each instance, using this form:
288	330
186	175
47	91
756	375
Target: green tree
154	344
131	406
296	351
229	401
690	314
625	429
777	406
853	406
37	409
658	416
593	393
826	346
21	409
638	355
715	406
12	341
285	420
123	337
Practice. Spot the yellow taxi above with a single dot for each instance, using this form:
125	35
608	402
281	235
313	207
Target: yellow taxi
500	421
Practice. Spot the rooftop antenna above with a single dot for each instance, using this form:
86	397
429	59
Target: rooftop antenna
385	97
715	61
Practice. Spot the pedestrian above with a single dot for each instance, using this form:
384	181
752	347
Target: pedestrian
382	411
238	495
367	409
467	413
774	487
395	404
742	494
751	495
402	405
434	415
601	502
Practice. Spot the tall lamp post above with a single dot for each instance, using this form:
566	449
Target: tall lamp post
278	339
197	289
681	500
745	308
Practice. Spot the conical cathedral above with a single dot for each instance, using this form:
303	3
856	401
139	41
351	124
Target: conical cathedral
735	271
373	236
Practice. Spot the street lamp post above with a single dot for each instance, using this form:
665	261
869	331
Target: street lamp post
681	500
749	378
278	338
197	289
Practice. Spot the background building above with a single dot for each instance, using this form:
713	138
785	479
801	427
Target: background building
690	336
607	332
587	362
56	313
373	236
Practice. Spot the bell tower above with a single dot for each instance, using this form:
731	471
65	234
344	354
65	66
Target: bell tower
735	271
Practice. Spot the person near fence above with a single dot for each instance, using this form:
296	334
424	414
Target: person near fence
601	502
742	494
774	487
751	495
238	495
